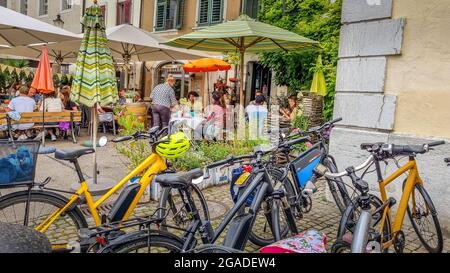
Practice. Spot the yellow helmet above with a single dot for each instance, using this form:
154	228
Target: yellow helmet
178	145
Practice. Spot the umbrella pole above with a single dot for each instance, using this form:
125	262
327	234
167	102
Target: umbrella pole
241	83
43	119
208	101
94	140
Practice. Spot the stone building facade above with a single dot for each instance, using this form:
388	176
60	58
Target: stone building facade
69	11
393	85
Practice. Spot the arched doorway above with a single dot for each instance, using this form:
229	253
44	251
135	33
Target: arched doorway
164	69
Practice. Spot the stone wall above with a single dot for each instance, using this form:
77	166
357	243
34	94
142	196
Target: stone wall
370	39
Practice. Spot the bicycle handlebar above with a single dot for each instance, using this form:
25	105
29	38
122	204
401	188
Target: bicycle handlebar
385	149
364	165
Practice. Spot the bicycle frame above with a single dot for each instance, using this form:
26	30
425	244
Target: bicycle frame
259	180
412	180
151	166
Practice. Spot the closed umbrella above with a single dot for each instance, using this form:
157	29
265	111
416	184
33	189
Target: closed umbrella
206	65
319	85
245	35
43	83
94	82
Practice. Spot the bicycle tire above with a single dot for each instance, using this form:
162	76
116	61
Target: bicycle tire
341	246
47	198
166	197
156	241
347	225
429	203
340	194
290	195
20	239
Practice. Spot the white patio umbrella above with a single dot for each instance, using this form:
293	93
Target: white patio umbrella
127	43
34	52
17	29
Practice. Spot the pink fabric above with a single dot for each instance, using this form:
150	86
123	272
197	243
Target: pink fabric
310	241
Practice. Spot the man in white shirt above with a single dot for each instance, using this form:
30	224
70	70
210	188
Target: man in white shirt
22	104
257	114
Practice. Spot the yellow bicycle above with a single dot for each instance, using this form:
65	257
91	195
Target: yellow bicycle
60	218
370	218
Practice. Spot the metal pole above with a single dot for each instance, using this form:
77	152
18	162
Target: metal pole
241	81
94	140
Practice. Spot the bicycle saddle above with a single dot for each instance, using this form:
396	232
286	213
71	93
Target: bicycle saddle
178	180
72	154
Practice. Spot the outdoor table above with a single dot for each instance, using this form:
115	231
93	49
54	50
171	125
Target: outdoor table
192	122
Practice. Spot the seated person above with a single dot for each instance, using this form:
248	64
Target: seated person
195	104
137	97
22	104
69	105
216	115
290	113
52	103
122	96
35	95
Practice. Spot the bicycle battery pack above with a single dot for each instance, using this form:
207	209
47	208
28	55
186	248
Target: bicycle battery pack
123	202
238	231
303	166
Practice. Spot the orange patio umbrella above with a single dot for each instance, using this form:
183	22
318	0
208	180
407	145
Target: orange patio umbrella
43	82
206	65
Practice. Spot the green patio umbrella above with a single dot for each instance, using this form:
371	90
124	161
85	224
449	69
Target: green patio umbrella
319	84
94	82
245	35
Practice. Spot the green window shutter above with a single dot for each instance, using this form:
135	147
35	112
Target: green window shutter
180	14
252	8
216	11
161	8
203	12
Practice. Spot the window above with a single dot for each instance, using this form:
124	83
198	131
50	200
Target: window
251	8
210	12
43	7
124	12
24	6
66	4
3	3
169	14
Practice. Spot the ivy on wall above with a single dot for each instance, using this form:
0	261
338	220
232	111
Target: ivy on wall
319	20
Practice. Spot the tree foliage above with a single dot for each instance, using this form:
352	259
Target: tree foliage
319	20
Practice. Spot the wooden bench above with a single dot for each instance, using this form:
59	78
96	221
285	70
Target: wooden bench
38	120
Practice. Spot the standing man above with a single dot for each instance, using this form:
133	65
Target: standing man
163	99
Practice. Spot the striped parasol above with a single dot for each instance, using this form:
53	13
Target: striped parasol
245	35
94	82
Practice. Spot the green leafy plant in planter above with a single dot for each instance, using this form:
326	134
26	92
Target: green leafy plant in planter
136	151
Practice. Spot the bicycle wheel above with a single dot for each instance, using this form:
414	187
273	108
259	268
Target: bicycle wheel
175	210
424	220
337	186
261	233
42	204
350	218
152	243
341	247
